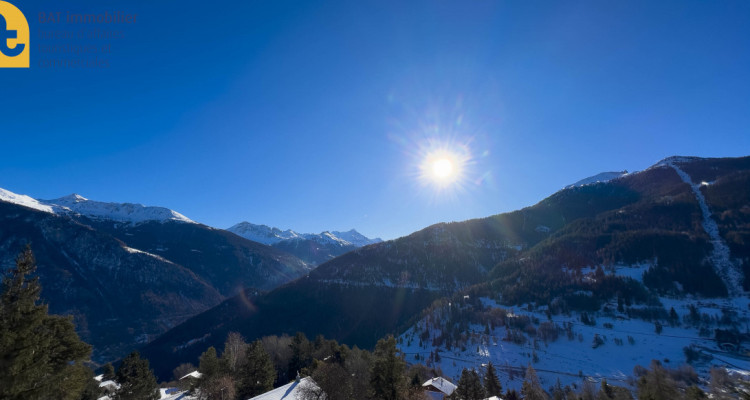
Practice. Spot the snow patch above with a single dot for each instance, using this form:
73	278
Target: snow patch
720	256
136	251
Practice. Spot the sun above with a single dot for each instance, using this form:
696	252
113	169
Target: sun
442	169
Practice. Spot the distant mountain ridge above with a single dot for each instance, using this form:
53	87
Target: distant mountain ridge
272	235
313	248
75	204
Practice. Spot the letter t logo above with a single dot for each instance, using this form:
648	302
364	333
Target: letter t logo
6	34
14	37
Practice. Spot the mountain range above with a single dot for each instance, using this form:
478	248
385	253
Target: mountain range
129	272
313	248
668	246
683	224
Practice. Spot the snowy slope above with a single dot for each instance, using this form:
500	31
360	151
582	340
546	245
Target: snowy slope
121	212
23	200
76	204
602	177
623	342
271	235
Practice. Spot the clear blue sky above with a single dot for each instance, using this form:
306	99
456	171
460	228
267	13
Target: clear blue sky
311	115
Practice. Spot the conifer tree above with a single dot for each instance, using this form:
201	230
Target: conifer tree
40	354
558	393
301	354
531	389
511	394
656	384
491	383
257	373
469	386
605	391
209	364
91	390
108	372
136	380
387	380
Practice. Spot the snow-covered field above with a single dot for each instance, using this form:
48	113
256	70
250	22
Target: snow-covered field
623	344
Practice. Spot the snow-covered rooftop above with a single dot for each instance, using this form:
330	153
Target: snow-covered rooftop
194	374
441	384
291	391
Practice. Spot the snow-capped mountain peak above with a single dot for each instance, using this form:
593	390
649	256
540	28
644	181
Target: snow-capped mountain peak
121	212
263	233
70	199
356	238
77	204
271	235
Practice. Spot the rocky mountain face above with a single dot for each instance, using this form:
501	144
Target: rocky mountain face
119	296
226	261
128	273
659	219
313	248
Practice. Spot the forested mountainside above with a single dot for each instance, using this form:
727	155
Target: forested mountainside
228	262
537	254
128	273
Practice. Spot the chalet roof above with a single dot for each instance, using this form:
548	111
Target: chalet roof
441	384
194	374
290	391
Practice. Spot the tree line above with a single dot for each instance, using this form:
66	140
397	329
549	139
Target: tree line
42	357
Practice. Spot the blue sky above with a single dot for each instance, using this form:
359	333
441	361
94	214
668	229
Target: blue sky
314	115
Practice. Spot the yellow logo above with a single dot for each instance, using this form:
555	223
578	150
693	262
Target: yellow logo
14	37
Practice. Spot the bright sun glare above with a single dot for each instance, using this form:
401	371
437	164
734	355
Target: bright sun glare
443	167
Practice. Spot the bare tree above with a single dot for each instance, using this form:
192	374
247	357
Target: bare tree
234	352
278	349
217	388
